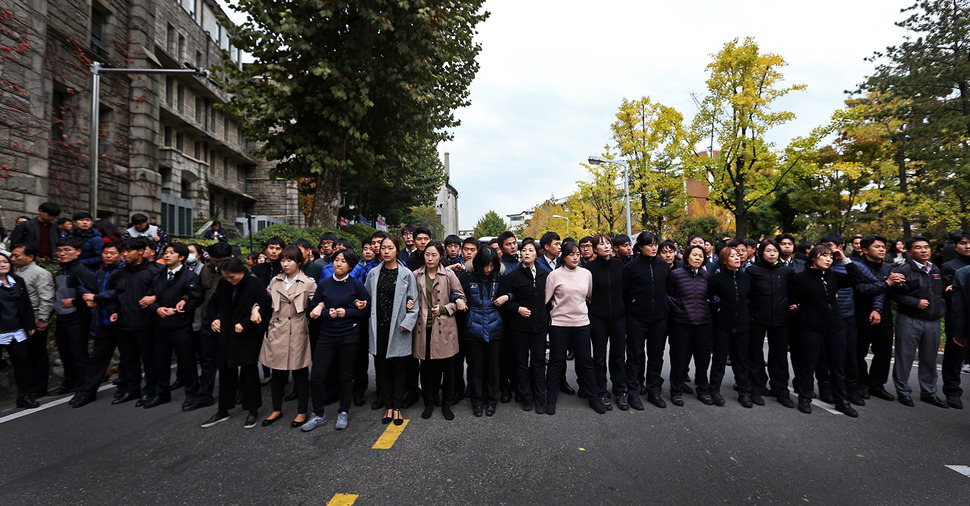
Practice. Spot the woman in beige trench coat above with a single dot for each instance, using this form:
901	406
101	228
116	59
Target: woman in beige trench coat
287	343
436	333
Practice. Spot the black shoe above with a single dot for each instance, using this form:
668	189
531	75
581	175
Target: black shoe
157	400
540	409
687	390
805	406
359	399
745	400
217	418
582	393
270	421
863	392
643	390
506	398
635	402
74	398
758	399
622	402
447	412
569	355
477	411
606	403
61	390
846	409
825	395
489	410
291	396
82	400
378	404
905	400
954	402
27	401
785	400
934	400
677	400
238	399
527	405
198	403
881	393
717	399
597	405
250	420
177	384
566	389
856	398
656	400
705	399
142	400
428	409
551	408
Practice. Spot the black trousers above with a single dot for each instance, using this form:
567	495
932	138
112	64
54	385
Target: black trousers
179	339
811	345
506	369
437	375
20	358
333	353
734	344
880	338
530	364
71	336
578	340
776	374
362	360
483	371
851	364
688	340
105	342
605	332
391	379
245	378
953	358
645	369
277	384
131	356
40	363
208	349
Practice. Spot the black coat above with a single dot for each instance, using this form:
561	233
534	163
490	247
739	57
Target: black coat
266	270
607	299
185	286
868	300
919	285
28	232
78	280
237	349
645	289
816	293
769	293
529	293
730	291
25	311
130	285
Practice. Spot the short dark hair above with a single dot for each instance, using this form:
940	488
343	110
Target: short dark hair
505	236
470	240
620	240
915	239
567	249
349	256
138	219
857	236
277	241
71	242
180	249
750	243
51	208
804	246
437	246
586	239
668	244
113	244
958	235
293	253
328	236
422	230
734	243
220	250
547	239
764	244
232	265
868	240
137	243
452	239
82	215
29	249
302	243
529	241
832	237
785	235
345	243
408	228
494	241
646	239
61	221
694	236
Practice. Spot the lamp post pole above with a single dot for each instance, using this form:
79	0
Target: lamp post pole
96	71
597	160
567	222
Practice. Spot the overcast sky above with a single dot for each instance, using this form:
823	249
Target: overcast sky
553	74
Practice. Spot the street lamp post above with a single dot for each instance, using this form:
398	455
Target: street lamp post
597	160
96	71
567	222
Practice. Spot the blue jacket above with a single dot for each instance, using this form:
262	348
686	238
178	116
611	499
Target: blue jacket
484	320
542	263
871	287
91	250
106	296
359	272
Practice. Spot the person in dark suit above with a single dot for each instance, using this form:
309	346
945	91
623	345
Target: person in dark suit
239	339
40	232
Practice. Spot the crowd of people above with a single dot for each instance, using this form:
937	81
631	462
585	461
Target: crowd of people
491	321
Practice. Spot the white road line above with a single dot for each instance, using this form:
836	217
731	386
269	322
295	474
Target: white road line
964	470
46	405
820	404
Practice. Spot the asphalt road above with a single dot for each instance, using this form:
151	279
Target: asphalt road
696	454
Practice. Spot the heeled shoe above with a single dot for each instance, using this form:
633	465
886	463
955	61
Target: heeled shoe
398	417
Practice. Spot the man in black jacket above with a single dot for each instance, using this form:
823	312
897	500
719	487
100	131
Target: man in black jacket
271	267
875	320
131	290
645	299
919	302
40	232
953	354
72	281
178	293
104	305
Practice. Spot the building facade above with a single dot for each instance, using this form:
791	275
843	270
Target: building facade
446	203
167	148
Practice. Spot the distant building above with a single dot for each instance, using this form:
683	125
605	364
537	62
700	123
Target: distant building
518	220
698	191
446	204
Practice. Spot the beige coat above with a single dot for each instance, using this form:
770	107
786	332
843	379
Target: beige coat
287	343
444	329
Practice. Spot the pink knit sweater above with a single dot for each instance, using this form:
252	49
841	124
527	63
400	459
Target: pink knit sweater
568	289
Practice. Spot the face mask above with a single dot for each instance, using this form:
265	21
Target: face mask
192	258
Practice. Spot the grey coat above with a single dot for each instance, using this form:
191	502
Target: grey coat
399	344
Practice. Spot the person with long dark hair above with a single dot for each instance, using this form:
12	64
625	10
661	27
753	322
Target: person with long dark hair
527	322
568	290
729	288
607	320
484	329
771	315
392	318
440	295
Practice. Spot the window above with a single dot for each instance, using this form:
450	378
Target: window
98	23
181	98
58	107
190	4
186	189
105	122
218	35
169	134
177	215
199	110
198	59
169	90
181	48
170	39
225	128
225	168
179	141
197	151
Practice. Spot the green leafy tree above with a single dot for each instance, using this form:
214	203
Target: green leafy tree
427	216
490	225
356	91
605	194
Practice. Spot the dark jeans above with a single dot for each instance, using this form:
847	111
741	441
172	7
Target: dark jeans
777	367
530	364
578	340
688	340
245	378
604	331
208	349
362	360
735	344
953	357
432	372
337	353
105	341
811	344
301	379
129	347
40	363
483	375
506	369
851	364
880	338
654	336
180	339
391	378
72	335
20	358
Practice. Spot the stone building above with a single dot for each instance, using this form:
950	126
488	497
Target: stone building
446	203
166	147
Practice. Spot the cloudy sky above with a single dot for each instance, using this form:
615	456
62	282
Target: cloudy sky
553	74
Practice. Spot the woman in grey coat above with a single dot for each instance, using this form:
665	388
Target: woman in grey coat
393	291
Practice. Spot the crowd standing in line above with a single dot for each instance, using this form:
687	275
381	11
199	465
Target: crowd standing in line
424	310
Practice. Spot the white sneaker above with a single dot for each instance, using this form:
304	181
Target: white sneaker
341	420
314	422
965	369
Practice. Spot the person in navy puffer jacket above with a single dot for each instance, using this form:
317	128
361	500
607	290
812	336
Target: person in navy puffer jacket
690	325
93	243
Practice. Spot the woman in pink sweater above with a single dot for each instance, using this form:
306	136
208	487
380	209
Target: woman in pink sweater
568	289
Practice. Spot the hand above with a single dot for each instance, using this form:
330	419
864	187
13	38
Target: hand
165	312
436	310
874	317
404	330
31	332
255	317
113	318
66	303
88	297
410	304
460	304
156	238
524	311
42	326
923	304
317	311
146	301
948	289
238	328
216	326
501	300
961	341
180	307
839	254
360	304
793	308
91	303
896	278
338	312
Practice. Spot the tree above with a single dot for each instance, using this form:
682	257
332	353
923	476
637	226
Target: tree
351	90
543	220
736	115
604	194
652	138
427	216
490	225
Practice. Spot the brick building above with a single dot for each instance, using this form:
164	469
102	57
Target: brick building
166	147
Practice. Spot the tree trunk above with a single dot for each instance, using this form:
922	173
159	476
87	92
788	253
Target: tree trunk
326	199
740	227
903	187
